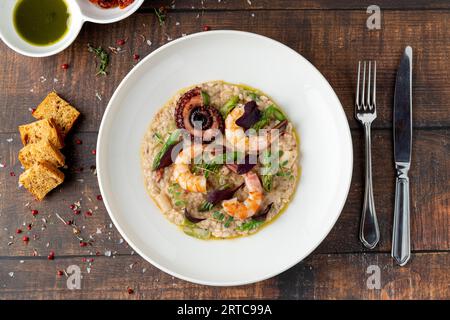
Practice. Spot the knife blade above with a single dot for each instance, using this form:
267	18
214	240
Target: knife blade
402	123
403	109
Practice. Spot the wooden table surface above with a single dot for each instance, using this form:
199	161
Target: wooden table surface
333	36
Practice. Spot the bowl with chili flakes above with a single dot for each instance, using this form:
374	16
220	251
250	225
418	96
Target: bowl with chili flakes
108	11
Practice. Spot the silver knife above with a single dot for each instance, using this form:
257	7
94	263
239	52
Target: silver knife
401	247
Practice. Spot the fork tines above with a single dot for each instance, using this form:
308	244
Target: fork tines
366	101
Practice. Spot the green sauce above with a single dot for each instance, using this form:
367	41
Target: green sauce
41	22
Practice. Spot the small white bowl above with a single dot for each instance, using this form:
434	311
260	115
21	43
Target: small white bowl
80	12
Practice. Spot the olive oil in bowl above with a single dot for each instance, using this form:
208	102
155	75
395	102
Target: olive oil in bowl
41	22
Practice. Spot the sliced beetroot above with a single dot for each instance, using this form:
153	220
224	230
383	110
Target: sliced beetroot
250	117
191	218
243	168
166	159
262	215
215	196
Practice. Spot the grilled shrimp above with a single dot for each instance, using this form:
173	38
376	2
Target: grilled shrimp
182	173
251	205
237	138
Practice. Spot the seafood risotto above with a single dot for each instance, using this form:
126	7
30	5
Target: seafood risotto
220	160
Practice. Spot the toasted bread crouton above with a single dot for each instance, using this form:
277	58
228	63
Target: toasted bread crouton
42	151
56	108
40	179
41	130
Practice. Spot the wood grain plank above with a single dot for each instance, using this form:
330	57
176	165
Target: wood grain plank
48	232
293	5
430	191
25	81
346	276
341	276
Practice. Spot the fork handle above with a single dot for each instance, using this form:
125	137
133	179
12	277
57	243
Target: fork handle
369	232
401	247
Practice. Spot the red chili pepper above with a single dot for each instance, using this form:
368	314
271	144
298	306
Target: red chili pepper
136	56
59	273
34	212
65	66
18	231
29	226
83	244
120	42
25	239
206	28
94	152
51	255
130	291
99	197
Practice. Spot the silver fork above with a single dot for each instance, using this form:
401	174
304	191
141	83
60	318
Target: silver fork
366	112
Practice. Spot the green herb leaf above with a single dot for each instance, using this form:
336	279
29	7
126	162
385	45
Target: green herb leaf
158	137
218	215
253	96
228	106
180	203
286	173
267	181
228	222
103	56
171	140
269	113
205	97
250	225
196	232
211	167
205	206
276	113
161	15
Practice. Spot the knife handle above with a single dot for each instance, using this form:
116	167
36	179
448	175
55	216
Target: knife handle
401	247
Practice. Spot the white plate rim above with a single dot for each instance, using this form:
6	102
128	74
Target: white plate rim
102	130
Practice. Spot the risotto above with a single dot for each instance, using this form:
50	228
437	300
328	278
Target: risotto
220	160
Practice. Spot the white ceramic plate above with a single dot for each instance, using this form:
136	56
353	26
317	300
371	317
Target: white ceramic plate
311	104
